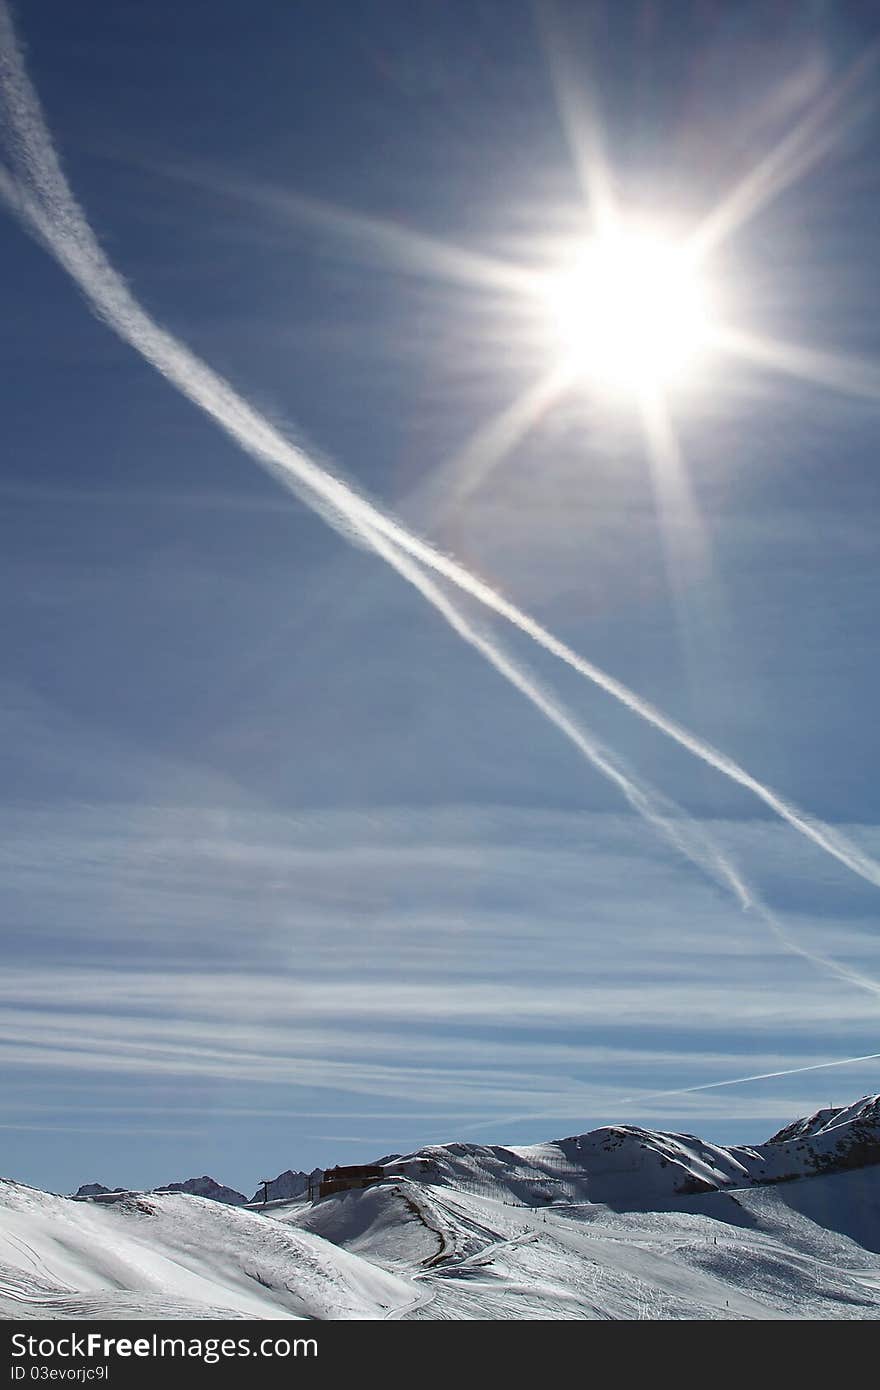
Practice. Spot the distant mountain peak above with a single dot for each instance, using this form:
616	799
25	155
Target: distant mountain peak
206	1187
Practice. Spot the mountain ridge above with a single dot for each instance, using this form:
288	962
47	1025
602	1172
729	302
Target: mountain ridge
613	1163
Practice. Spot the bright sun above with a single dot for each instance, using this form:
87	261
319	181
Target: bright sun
629	312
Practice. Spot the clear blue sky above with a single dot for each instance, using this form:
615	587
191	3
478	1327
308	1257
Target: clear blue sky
291	875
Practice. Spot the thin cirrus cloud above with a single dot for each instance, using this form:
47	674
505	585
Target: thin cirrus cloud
395	1003
183	1020
360	952
549	1081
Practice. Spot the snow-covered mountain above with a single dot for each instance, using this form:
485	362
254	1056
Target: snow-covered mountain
621	1222
854	1130
196	1187
623	1165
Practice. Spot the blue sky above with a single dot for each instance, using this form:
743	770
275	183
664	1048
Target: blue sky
291	874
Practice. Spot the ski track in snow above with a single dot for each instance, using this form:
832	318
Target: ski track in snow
589	1261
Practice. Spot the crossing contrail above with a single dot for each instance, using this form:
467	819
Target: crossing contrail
683	833
42	198
679	830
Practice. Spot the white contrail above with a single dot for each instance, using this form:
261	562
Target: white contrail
825	963
685	835
603	1107
742	1080
48	207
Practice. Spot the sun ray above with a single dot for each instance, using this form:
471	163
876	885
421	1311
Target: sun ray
847	374
793	157
375	239
580	122
672	488
690	571
453	483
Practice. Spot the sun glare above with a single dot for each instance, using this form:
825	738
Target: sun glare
629	312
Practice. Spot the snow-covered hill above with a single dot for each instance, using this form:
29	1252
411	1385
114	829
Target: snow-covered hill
617	1223
174	1256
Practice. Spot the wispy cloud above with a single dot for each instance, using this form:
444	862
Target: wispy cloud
488	963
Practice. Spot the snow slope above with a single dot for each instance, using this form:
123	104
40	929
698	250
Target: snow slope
755	1254
174	1256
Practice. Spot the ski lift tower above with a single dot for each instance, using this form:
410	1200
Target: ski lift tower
264	1183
